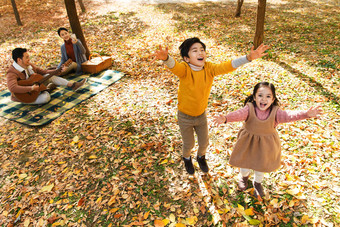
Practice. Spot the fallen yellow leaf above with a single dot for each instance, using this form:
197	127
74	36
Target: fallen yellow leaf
75	139
159	223
191	220
47	188
112	200
254	222
304	219
5	213
291	203
172	217
180	225
249	211
165	221
294	191
146	215
113	210
274	202
289	177
22	176
99	199
240	209
164	161
27	222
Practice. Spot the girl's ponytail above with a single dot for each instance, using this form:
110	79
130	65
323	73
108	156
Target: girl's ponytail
250	98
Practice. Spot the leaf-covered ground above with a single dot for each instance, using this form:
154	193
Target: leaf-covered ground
115	160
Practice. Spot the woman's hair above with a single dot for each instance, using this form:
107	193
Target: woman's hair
18	53
250	98
185	46
60	29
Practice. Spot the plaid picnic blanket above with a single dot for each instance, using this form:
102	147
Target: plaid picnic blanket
62	99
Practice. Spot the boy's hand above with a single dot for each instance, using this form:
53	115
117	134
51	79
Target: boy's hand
314	112
219	119
161	54
258	53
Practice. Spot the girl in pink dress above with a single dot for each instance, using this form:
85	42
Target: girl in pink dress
258	145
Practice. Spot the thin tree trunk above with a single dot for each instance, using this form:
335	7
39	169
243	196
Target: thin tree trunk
239	6
75	24
261	11
16	13
82	6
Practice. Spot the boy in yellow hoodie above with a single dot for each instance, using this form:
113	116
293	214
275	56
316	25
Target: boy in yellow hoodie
195	80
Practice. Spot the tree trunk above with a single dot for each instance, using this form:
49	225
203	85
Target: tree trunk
239	6
82	6
16	13
75	24
261	11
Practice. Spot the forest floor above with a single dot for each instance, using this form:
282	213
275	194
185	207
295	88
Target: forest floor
115	159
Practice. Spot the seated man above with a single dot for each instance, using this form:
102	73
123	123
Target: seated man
22	69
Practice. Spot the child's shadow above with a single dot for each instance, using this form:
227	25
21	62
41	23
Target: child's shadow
211	193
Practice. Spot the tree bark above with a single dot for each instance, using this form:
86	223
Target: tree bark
75	24
239	6
82	6
261	11
16	13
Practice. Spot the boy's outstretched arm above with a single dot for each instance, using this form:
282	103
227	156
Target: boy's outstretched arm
161	54
258	53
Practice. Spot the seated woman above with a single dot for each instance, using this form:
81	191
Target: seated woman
71	49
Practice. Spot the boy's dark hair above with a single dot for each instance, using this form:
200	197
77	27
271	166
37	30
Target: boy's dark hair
18	53
185	46
60	29
250	98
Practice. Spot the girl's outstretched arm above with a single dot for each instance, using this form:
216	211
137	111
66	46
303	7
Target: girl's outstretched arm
285	116
235	116
314	112
220	119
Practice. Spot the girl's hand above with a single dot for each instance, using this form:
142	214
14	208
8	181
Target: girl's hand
219	119
161	54
258	53
314	112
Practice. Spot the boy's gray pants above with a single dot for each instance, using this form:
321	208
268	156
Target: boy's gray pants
188	124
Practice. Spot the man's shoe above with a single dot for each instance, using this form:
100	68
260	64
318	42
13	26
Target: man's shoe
258	189
203	163
243	183
189	166
76	85
50	87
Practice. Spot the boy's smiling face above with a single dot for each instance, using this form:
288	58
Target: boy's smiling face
197	55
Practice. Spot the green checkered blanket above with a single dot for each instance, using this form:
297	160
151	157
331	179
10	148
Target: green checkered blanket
62	99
